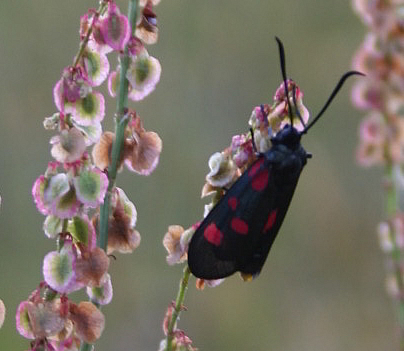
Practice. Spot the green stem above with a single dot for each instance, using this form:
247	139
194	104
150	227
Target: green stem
391	211
120	126
177	309
83	44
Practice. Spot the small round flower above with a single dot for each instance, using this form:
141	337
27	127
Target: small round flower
147	30
172	243
281	111
92	133
91	268
102	151
82	231
39	320
222	169
74	84
59	270
23	321
367	94
88	320
59	198
68	146
52	226
143	75
115	28
242	150
38	190
90	109
96	65
91	186
372	134
58	98
370	59
54	196
142	152
103	294
373	129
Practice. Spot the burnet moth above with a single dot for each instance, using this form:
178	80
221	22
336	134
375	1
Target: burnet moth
239	231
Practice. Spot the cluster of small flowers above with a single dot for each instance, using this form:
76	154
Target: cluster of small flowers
381	94
228	165
73	186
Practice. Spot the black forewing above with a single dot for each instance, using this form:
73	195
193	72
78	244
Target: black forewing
247	252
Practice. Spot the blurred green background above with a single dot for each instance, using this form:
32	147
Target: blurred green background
322	287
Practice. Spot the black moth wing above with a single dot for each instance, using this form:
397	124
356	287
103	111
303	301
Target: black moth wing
238	232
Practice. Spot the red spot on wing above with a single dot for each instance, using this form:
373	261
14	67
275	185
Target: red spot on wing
233	202
239	226
260	181
271	221
255	167
213	234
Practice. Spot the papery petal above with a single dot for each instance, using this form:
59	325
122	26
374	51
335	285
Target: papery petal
102	150
97	67
38	190
92	133
145	153
82	231
45	319
60	102
222	170
59	270
91	186
22	320
69	146
143	74
52	226
90	109
128	207
115	29
103	294
88	320
67	206
91	267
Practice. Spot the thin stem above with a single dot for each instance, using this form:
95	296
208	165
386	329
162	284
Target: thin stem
83	44
120	126
177	309
391	211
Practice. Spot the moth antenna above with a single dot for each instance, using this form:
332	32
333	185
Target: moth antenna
285	79
332	96
297	110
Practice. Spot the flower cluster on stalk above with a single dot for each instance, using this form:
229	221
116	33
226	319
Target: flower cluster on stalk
227	166
381	131
74	184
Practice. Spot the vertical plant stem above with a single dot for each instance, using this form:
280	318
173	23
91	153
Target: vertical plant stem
391	211
120	125
177	309
83	44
